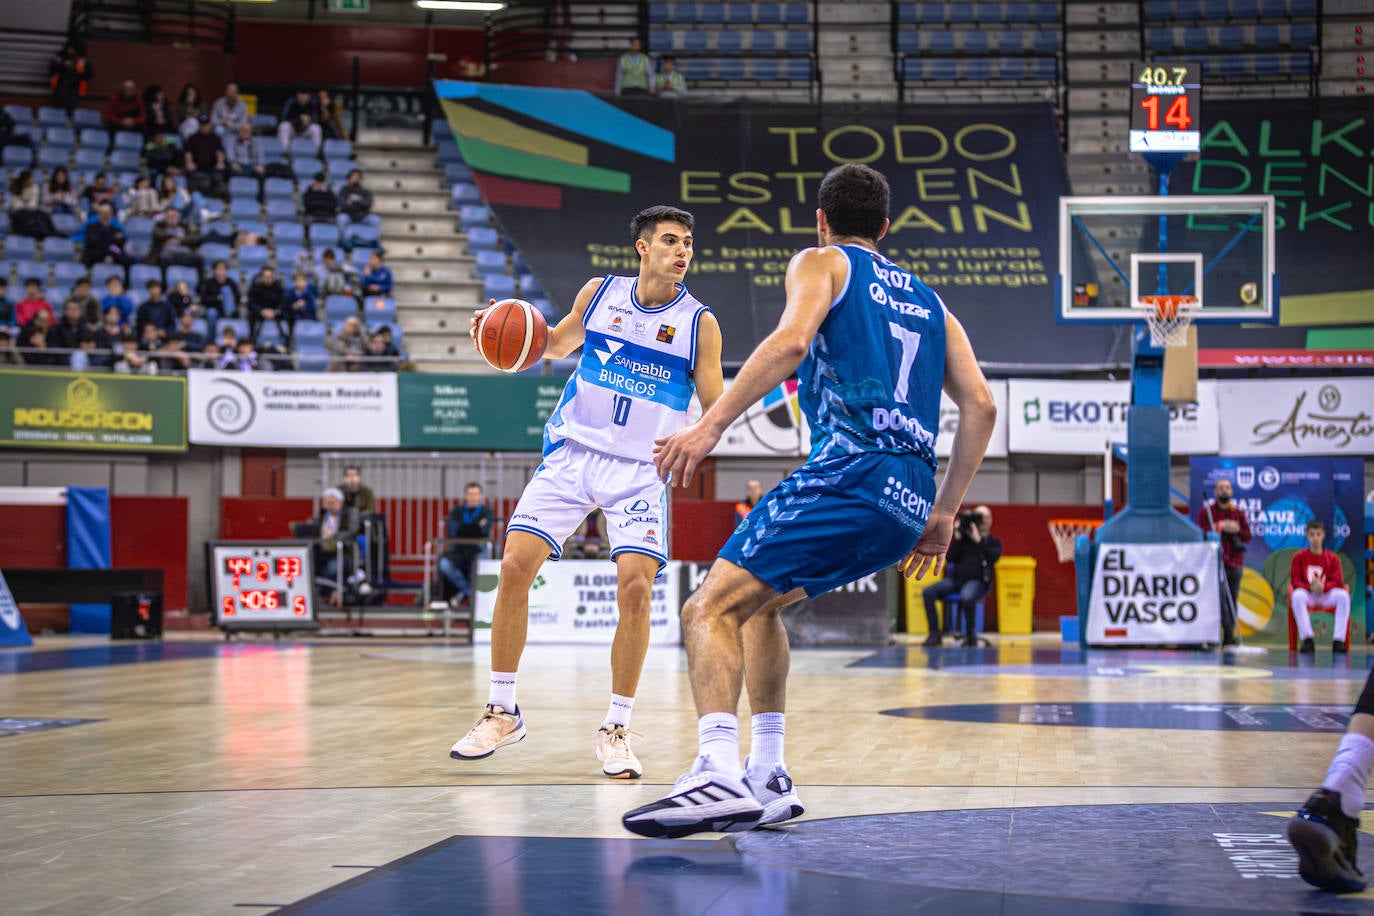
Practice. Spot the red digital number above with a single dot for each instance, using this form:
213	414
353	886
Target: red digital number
298	605
239	565
271	600
288	568
264	571
1176	117
227	608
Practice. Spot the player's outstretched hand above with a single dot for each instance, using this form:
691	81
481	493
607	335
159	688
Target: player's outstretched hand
676	457
477	319
929	552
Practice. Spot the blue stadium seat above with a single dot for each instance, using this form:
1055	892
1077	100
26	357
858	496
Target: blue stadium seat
263	123
289	232
358	257
696	40
17	157
217	230
379	309
959	12
1267	64
796	12
730	40
22	114
730	69
25	269
278	189
1301	34
337	149
255	226
244	208
545	308
90	159
310	332
253	257
241	186
124	160
942	69
1011	68
1044	68
281	209
128	140
1016	13
498	286
272	150
490	262
909	40
305	169
530	287
137	294
52	157
465	193
139	228
768	13
239	325
290	256
449	152
766	69
51	117
796	70
1187	9
66	273
87	117
906	14
987	14
940	41
1045	13
1245	9
711	13
140	274
474	215
59	248
1216	9
101	274
976	41
20	248
337	308
323	235
95	138
64	137
304	148
1230	37
683	12
457	171
1302	9
361	235
1232	65
799	42
200	326
1196	38
339	168
1158	10
1009	40
181	273
482	239
762	40
658	12
979	68
1045	41
214	251
739	13
1159	39
1273	9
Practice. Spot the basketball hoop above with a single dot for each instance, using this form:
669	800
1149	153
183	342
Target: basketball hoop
1065	532
1168	318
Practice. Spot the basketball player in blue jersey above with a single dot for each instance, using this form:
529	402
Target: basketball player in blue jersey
647	344
872	346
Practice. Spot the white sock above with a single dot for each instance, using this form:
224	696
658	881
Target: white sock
1349	772
619	713
765	749
502	690
718	742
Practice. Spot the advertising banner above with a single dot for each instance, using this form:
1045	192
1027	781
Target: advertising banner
489	413
293	409
1155	594
573	601
949	421
1325	416
1314	159
975	193
98	411
1079	418
1279	496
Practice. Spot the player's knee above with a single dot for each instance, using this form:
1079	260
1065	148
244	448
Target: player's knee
519	568
633	594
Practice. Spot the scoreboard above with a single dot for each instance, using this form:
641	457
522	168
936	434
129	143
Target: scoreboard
262	585
1166	107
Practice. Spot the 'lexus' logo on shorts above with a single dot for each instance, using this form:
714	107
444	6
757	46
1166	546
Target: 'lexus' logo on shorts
638	507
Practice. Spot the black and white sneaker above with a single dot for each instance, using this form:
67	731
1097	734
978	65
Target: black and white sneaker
703	801
774	789
1325	839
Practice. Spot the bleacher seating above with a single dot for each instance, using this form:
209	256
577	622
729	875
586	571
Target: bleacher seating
977	43
735	44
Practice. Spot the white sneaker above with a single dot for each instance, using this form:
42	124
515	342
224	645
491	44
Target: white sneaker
774	789
613	750
700	802
495	729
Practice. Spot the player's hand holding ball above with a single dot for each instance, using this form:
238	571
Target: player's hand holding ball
511	335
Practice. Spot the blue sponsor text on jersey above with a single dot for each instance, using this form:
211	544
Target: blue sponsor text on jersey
637	371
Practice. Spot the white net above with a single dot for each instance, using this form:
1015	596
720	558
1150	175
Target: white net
1168	318
1065	532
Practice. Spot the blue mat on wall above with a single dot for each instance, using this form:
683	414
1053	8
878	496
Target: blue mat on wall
88	547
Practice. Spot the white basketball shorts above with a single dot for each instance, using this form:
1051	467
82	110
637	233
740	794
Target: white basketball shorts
574	480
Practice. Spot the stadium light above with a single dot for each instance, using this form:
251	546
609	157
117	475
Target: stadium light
471	6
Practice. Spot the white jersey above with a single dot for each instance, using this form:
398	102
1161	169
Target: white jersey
634	380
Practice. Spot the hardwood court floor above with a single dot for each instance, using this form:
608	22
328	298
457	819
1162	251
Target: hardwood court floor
214	778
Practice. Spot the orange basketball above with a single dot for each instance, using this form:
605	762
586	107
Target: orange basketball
512	335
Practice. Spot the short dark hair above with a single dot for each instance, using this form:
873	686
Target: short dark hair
35	281
80	280
218	262
353	467
153	282
645	221
855	200
1315	524
472	483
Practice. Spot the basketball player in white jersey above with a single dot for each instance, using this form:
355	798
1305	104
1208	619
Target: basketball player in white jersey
647	344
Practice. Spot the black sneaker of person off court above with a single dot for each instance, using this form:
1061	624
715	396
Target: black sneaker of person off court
702	801
1324	837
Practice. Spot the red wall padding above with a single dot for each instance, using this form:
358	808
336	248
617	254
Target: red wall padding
700	529
250	518
151	532
316	54
33	536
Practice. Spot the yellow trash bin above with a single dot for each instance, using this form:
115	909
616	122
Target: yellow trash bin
1015	594
915	609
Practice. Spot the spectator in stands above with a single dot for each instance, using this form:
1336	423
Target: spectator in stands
634	72
669	81
64	335
300	117
33	304
128	359
89	304
156	311
125	109
228	340
470	519
25	205
209	357
230	112
302	299
98	192
190	109
6	304
753	492
346	346
58	194
356	494
390	348
243	356
115	298
34	335
205	163
355	202
102	238
377	278
9	356
318	202
267	302
141	199
171	196
69	76
331	125
219	294
160	118
83	355
112	328
149	342
339	528
172	356
173	242
186	327
181	299
378	360
334	278
162	153
7	135
245	154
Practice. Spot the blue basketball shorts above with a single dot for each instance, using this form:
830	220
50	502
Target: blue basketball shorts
832	522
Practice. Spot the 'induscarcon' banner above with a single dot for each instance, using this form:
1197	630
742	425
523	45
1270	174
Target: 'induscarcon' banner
974	199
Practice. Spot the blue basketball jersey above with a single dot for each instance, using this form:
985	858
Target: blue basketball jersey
872	378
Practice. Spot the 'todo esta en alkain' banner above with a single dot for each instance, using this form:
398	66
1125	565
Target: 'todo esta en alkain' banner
77	410
974	199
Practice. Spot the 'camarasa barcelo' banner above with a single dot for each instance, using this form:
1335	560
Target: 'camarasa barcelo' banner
974	199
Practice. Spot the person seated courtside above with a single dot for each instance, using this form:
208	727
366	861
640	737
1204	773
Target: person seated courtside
968	574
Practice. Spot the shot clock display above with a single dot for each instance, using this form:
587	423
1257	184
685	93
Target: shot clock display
1166	107
261	584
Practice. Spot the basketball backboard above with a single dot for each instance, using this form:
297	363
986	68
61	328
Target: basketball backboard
1218	249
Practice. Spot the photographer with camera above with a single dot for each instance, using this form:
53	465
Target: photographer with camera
1227	520
968	573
